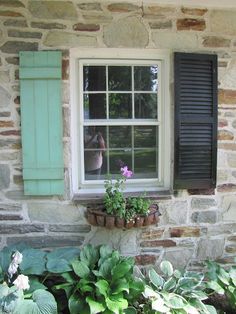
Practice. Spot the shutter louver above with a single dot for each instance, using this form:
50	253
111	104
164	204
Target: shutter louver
195	121
41	122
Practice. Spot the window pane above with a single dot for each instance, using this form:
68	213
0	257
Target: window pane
145	78
145	164
120	106
145	106
120	137
95	106
119	158
94	151
119	78
94	78
145	136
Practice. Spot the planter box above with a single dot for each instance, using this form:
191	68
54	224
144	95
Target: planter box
98	217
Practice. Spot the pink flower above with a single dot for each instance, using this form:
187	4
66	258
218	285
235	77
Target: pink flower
22	282
17	257
125	172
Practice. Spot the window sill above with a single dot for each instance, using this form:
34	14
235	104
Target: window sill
98	198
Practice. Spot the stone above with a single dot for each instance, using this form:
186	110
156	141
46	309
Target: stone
230	249
18	179
152	234
6	156
227	146
20	34
5	98
10	207
228	187
13	60
222	64
16	195
222	176
224	135
5	114
226	260
215	42
17	46
47	241
95	18
180	232
70	228
179	258
156	11
145	259
4	176
228	80
193	11
58	39
208	216
171	40
10	13
229	208
227	96
12	3
222	123
86	27
176	213
54	213
202	203
4	77
66	122
223	21
201	191
126	32
234	174
161	25
122	7
10	217
20	228
234	124
190	24
10	133
96	6
221	228
44	25
156	243
15	23
6	124
232	160
53	9
210	248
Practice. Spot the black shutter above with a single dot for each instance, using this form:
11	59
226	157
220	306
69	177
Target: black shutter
195	121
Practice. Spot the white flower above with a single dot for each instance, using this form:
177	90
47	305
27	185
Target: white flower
17	257
12	269
22	282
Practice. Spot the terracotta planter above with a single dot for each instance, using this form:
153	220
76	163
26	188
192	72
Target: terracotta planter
98	217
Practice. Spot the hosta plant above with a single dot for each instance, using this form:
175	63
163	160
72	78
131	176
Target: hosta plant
101	282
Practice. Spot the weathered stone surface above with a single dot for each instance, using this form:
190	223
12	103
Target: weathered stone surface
222	64
58	39
222	123
4	176
20	34
215	41
10	133
86	27
70	228
6	156
53	9
229	208
18	179
229	187
4	77
12	60
20	228
47	241
227	96
127	32
224	135
5	114
210	249
155	11
90	6
152	234
66	123
122	7
6	124
191	24
10	13
226	260
44	25
15	23
202	203
221	228
4	98
222	176
10	207
179	232
234	174
208	216
54	213
223	21
12	3
194	11
156	243
161	25
232	160
65	69
175	213
16	195
145	259
227	146
95	18
201	191
179	258
230	249
10	217
234	124
17	46
175	40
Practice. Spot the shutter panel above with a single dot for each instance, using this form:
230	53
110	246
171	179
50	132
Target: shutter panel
41	122
195	121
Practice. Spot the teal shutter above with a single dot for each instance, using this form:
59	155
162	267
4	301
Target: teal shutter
41	122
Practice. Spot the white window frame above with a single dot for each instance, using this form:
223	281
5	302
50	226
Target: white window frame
111	56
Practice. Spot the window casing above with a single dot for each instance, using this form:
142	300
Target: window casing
137	137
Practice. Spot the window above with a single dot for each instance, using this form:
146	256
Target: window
122	114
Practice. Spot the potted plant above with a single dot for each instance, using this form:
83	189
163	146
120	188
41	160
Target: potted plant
118	211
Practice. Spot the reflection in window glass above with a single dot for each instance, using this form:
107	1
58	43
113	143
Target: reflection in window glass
94	106
94	78
119	158
145	106
145	162
145	136
145	78
119	78
120	106
120	137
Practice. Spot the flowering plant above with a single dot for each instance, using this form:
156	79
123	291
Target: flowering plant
116	203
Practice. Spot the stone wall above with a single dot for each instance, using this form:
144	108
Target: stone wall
195	225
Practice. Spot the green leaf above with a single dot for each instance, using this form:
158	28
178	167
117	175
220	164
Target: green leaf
166	268
67	254
176	302
35	284
95	307
120	270
120	285
159	305
33	263
58	266
89	255
157	280
5	258
169	284
130	310
78	305
103	287
215	287
81	269
224	276
211	309
116	303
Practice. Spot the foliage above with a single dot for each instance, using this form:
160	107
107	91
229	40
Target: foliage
101	282
222	281
175	292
